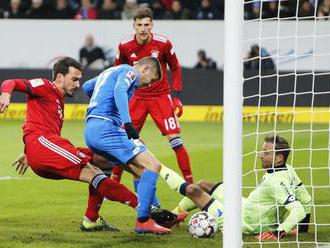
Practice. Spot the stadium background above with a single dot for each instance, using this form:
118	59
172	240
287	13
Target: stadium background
41	213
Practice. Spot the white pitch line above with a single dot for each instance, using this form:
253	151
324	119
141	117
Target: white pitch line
13	178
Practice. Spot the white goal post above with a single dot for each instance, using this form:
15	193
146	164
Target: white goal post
289	96
232	127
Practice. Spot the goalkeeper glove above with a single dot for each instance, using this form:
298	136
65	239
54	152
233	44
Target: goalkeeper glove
276	235
132	133
177	103
177	107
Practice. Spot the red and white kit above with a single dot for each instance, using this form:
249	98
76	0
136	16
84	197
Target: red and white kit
48	154
155	99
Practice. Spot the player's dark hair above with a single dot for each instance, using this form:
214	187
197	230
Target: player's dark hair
62	66
155	64
281	145
143	12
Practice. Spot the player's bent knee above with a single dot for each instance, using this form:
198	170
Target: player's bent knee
147	160
154	167
88	173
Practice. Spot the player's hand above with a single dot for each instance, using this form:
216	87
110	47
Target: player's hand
21	164
4	101
271	235
177	106
132	133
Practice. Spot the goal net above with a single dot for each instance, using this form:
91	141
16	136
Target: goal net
286	83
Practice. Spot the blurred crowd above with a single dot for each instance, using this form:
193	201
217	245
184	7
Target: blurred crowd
163	9
288	9
110	9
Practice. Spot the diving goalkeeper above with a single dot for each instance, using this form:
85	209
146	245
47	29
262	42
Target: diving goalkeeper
277	206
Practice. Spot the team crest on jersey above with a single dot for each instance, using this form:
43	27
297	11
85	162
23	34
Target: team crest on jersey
154	53
131	75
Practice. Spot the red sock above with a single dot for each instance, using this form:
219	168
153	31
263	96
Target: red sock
116	174
184	163
114	191
95	200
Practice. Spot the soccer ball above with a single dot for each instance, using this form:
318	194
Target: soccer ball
202	225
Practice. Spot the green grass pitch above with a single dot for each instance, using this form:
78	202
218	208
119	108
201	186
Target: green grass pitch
35	212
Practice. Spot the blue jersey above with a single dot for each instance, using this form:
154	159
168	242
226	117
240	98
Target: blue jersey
110	92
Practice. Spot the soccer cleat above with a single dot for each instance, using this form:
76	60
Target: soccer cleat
150	226
167	218
163	217
99	225
181	216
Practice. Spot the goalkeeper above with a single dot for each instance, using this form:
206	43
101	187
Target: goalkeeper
272	210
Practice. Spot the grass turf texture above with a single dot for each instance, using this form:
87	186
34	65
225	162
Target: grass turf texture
36	212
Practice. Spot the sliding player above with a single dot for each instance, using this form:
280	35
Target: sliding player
272	210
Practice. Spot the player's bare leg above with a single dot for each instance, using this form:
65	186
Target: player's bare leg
181	155
206	186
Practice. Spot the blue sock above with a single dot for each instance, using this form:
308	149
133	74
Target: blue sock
155	201
136	182
146	192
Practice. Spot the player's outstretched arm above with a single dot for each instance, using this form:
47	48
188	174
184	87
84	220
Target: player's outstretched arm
10	85
175	68
296	213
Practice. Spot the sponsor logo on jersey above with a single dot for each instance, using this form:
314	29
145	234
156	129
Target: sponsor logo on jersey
36	82
154	53
131	76
133	55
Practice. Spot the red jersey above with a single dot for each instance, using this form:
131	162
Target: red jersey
45	105
130	51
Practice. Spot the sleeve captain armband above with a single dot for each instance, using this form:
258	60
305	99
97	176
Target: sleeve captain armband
291	198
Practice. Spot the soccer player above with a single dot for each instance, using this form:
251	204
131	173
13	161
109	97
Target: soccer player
108	111
53	157
272	210
155	99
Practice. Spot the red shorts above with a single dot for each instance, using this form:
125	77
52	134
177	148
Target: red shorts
161	111
54	157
